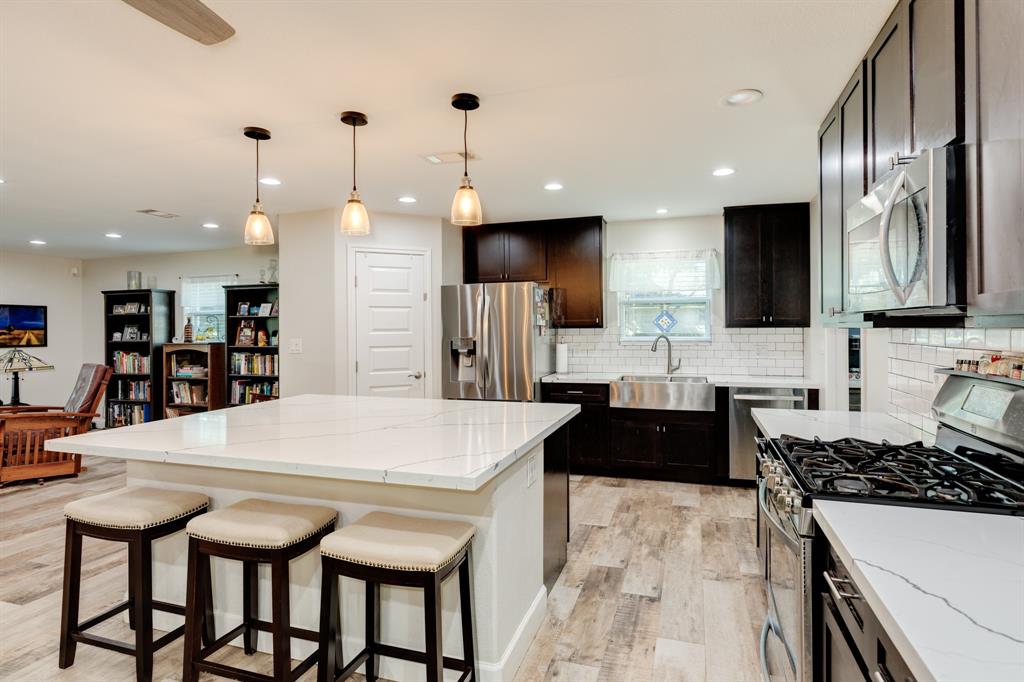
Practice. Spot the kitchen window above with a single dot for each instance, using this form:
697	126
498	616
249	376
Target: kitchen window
665	293
202	300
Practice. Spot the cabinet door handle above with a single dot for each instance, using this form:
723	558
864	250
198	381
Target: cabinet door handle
771	318
762	318
575	392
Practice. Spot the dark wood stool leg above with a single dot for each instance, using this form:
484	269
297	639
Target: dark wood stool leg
142	567
69	600
466	610
250	604
432	626
330	627
131	588
193	615
372	628
282	620
206	573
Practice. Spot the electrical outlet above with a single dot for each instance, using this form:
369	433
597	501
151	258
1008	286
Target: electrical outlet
531	470
295	345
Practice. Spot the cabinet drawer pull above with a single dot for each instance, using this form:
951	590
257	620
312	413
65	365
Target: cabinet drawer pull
575	392
831	580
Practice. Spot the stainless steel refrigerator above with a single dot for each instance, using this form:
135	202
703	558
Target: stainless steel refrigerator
497	340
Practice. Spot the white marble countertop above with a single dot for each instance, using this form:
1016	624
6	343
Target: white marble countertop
456	444
832	425
947	586
716	379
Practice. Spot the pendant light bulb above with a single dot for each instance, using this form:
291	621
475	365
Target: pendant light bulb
355	221
258	230
466	208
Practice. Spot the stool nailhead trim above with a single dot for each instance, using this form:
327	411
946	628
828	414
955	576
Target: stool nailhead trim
135	526
259	545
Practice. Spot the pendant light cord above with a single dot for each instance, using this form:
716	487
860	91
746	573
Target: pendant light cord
353	158
465	143
257	171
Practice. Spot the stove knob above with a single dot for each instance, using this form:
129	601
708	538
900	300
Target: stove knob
768	468
785	482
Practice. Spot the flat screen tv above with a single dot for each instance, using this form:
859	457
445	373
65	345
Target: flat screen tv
22	325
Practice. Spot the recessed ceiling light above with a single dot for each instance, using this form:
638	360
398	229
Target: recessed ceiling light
662	211
2	181
721	172
433	158
273	182
211	226
112	235
553	186
37	242
407	200
744	96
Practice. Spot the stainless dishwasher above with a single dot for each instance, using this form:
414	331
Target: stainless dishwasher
743	430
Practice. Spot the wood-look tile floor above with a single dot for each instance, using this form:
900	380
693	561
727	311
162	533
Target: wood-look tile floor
662	584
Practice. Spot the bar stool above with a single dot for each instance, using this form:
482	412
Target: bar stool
252	531
389	549
137	516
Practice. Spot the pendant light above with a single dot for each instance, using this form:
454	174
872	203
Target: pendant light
258	230
466	209
355	221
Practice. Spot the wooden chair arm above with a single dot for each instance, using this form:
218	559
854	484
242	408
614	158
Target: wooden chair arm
27	416
14	409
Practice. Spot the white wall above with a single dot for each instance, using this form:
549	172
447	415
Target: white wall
315	302
40	280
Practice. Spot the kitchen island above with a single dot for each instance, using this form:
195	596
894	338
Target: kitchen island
470	460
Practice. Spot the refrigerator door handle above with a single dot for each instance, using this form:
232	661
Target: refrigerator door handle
484	364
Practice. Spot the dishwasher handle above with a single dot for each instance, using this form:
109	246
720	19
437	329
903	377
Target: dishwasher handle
765	397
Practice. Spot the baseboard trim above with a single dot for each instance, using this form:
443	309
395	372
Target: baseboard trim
505	667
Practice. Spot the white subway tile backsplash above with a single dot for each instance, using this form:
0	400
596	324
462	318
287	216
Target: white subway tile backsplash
997	338
750	351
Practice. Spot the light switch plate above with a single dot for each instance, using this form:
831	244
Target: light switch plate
295	345
531	470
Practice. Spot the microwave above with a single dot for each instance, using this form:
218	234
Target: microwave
905	239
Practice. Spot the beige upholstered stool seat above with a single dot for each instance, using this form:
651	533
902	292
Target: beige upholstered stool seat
404	543
261	523
135	507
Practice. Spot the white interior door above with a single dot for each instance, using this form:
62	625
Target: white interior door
391	324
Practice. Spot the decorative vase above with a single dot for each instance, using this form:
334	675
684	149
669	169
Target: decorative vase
134	279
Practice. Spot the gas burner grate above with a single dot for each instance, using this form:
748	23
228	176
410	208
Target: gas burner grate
911	473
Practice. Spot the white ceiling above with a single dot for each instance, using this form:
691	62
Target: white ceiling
104	111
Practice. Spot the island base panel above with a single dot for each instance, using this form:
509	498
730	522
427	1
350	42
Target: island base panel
508	551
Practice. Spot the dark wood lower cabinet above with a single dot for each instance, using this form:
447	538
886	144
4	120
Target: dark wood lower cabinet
653	444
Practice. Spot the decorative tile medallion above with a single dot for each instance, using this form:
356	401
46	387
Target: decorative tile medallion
665	321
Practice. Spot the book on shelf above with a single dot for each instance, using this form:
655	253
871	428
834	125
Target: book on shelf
243	390
123	414
254	363
133	390
131	363
185	393
186	369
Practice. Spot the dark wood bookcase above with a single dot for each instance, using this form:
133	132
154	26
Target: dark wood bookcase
250	365
209	356
135	393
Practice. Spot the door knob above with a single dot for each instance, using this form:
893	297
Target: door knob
417	375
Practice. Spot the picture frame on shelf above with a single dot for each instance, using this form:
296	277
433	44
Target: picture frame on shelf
131	308
116	336
274	309
246	335
243	308
144	337
131	332
117	310
265	309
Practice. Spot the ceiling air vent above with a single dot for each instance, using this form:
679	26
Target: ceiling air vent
158	214
446	157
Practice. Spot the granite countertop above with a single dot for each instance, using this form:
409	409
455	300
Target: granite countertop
455	444
716	379
833	425
947	586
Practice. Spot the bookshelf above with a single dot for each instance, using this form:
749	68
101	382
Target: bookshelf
252	357
193	378
136	325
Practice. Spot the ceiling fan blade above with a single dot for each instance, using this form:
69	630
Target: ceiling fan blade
188	17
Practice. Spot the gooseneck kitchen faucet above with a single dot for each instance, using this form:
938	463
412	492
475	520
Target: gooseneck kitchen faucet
669	367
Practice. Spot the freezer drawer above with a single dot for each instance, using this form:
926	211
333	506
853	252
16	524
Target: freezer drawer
743	431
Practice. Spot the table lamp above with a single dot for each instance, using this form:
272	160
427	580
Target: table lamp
16	361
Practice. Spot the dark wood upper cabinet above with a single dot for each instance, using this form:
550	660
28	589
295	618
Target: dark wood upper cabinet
575	263
767	265
564	253
937	79
888	70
